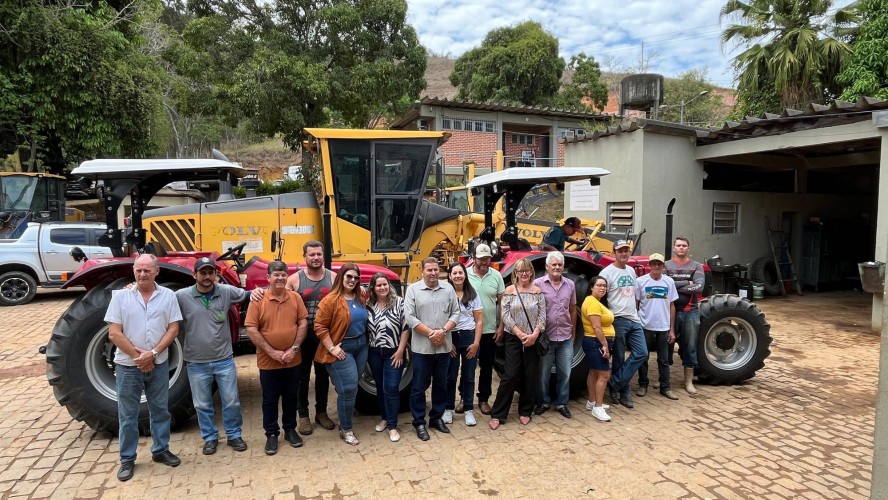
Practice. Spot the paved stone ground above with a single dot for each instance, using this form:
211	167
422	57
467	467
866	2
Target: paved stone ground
802	428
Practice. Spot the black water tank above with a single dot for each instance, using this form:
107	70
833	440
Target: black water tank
642	92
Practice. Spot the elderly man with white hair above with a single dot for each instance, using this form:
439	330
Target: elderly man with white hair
561	325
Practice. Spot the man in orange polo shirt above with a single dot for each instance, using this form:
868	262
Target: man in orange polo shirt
277	325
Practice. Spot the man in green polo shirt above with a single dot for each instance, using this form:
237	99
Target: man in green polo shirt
209	355
490	287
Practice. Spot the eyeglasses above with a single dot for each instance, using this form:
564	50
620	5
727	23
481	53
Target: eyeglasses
525	271
352	277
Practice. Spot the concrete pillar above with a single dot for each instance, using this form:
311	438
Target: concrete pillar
880	449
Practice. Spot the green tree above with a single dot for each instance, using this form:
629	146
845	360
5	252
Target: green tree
517	64
790	43
74	83
867	72
585	88
286	65
691	90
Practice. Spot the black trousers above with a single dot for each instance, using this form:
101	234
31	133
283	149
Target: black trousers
322	378
522	373
486	354
281	384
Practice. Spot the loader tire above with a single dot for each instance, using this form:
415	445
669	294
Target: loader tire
80	366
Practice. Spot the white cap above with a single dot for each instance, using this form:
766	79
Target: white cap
482	251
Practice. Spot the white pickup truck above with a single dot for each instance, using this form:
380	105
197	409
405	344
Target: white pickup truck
41	256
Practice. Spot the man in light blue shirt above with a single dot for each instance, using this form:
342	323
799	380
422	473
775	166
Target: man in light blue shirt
142	323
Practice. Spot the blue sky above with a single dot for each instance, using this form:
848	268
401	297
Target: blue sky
677	35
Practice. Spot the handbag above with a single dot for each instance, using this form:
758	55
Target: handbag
542	342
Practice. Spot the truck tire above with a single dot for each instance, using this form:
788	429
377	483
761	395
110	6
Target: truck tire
80	367
17	288
764	270
733	342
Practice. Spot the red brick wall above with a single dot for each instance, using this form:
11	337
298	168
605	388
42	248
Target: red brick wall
463	146
560	154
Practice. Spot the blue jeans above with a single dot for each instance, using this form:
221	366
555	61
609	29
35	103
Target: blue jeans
560	354
344	373
201	377
462	340
687	327
429	370
660	342
130	384
628	333
388	383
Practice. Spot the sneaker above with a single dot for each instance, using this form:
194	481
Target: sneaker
448	417
590	405
599	413
470	418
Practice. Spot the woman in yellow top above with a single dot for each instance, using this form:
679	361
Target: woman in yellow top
598	326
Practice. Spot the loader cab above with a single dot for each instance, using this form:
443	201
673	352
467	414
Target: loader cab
29	197
375	181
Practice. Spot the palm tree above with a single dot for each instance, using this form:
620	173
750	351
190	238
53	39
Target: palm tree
793	45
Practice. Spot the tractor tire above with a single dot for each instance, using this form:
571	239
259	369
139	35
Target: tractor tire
366	402
17	288
764	270
80	366
733	342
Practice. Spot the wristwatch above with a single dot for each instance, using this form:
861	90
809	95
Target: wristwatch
295	348
154	352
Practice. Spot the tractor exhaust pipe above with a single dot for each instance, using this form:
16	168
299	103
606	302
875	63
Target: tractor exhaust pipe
668	251
328	234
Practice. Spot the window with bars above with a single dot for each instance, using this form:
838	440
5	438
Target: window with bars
469	125
620	217
522	139
725	218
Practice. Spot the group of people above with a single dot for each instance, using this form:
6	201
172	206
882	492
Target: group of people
322	319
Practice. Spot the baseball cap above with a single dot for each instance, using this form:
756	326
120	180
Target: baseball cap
573	222
204	262
482	251
658	257
620	244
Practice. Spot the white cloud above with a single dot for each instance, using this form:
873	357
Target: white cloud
680	34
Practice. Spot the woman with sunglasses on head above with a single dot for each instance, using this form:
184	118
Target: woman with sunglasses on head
388	334
524	319
598	327
341	327
466	341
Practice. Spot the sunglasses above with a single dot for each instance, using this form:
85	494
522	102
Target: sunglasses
352	277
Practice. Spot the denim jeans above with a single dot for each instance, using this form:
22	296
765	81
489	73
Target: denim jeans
521	373
131	381
344	373
462	340
660	342
322	378
486	355
279	384
201	377
560	354
388	383
687	327
628	333
429	370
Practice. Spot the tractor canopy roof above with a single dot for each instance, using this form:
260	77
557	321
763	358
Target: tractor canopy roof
143	169
524	176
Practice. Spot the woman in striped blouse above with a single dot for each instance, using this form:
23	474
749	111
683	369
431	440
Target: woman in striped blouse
524	319
388	334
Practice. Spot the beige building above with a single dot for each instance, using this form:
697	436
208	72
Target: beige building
813	173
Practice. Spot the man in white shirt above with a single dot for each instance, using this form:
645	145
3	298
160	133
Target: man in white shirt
142	323
656	295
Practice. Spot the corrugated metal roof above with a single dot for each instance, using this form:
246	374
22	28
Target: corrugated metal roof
791	120
413	114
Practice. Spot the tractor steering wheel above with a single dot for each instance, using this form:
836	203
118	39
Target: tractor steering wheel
232	253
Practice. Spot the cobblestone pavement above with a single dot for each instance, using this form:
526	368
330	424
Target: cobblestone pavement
802	428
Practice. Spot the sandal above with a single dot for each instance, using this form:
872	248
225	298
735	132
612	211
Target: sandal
524	420
349	437
381	426
494	423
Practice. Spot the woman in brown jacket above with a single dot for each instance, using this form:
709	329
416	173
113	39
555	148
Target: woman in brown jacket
341	326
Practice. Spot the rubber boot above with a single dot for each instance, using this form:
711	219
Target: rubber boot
689	380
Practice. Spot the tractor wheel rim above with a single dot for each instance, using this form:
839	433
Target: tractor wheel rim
730	343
